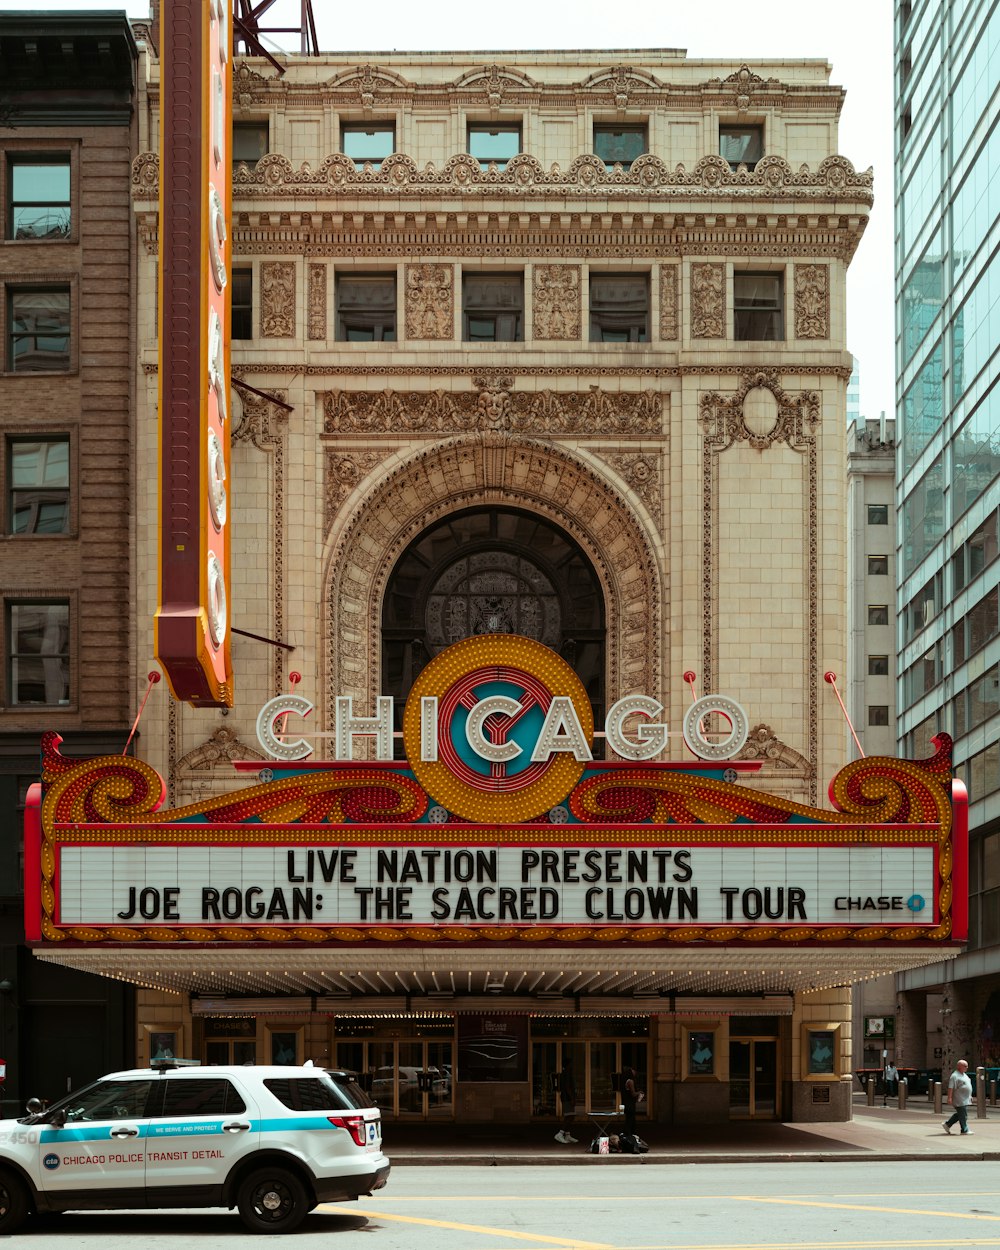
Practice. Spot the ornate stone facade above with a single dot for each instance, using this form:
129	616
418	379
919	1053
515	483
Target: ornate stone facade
708	301
812	301
277	299
556	301
316	325
430	302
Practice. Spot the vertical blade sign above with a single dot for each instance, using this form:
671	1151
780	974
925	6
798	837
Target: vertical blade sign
192	619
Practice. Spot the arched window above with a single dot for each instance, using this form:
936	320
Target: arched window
492	570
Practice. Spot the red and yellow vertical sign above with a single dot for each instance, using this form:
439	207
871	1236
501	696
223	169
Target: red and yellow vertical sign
192	619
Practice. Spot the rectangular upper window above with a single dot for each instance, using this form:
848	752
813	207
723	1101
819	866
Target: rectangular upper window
878	614
250	143
619	308
38	486
492	307
878	714
38	330
494	144
878	566
38	654
368	144
758	307
366	308
878	666
38	198
878	514
741	145
241	313
619	145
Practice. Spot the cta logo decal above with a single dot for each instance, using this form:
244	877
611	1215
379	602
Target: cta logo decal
51	1162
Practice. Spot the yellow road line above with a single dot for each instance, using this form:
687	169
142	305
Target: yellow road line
951	1243
573	1242
858	1206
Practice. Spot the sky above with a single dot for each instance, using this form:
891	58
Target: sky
855	36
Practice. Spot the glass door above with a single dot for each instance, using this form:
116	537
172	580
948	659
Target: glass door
410	1079
753	1078
544	1077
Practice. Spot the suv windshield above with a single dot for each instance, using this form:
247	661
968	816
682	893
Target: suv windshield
327	1091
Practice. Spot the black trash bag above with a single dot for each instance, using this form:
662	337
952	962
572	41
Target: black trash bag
632	1144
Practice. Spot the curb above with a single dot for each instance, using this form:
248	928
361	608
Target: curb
589	1160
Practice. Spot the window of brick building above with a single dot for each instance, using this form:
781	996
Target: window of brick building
741	145
38	486
38	332
368	143
492	307
38	654
619	145
758	306
366	308
494	144
38	197
619	308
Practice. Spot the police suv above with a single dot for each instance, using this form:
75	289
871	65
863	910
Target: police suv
271	1141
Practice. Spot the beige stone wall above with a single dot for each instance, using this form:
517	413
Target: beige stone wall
702	476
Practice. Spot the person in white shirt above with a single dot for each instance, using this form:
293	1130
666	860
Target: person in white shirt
959	1096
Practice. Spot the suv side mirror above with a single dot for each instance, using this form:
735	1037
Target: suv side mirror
58	1118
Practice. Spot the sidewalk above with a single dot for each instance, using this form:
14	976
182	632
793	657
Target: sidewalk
874	1134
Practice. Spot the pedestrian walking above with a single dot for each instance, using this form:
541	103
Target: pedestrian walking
959	1096
567	1094
890	1080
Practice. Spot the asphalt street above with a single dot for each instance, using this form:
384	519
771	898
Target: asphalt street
619	1204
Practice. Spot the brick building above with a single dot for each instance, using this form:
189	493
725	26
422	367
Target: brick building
68	132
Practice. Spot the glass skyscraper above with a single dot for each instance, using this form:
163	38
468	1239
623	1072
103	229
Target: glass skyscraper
948	463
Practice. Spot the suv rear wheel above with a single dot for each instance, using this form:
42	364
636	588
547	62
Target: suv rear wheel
272	1200
13	1203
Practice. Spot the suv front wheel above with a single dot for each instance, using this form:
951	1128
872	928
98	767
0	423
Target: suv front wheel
272	1200
13	1204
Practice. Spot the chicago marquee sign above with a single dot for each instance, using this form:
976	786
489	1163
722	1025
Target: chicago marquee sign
499	824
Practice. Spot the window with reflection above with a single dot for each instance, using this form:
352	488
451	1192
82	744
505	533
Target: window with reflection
366	308
38	654
241	312
619	308
619	145
492	307
38	197
38	330
369	143
494	144
492	570
741	145
250	143
758	306
923	409
923	517
38	486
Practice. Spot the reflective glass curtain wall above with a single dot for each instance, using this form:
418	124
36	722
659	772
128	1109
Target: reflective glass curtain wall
948	390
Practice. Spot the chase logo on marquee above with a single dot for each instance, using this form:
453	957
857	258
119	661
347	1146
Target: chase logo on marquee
499	728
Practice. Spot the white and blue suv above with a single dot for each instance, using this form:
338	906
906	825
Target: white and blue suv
270	1141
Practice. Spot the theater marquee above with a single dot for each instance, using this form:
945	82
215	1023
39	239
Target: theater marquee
499	825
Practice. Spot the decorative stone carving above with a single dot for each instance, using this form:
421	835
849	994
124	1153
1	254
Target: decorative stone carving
812	301
556	301
708	304
316	312
430	302
548	480
669	301
725	425
259	422
762	744
746	82
247	83
622	83
223	747
344	470
495	82
772	180
277	299
641	470
594	411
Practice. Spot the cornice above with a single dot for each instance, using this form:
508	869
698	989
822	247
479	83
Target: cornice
417	369
523	179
